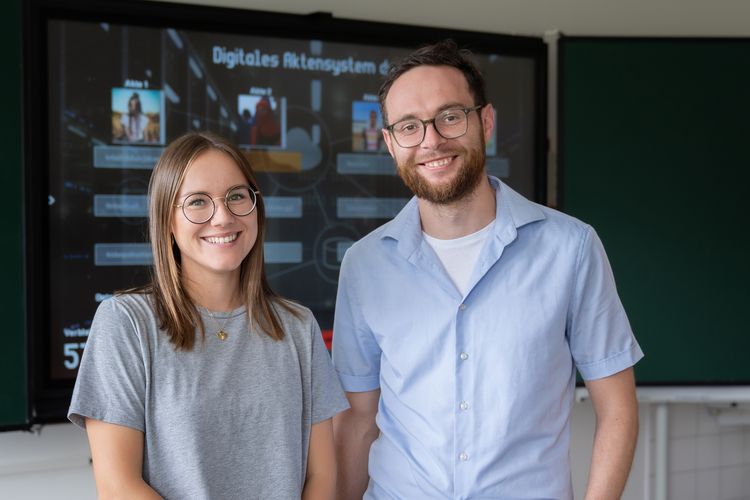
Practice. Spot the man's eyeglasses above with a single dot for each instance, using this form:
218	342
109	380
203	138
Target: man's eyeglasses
450	124
200	208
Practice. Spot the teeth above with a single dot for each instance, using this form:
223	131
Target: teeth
438	163
222	239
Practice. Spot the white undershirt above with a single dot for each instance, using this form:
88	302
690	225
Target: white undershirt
459	256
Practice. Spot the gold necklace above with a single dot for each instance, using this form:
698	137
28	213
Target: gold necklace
220	333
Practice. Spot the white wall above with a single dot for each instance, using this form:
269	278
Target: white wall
50	463
706	462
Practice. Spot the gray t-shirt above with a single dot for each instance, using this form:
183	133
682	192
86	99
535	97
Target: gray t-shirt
229	419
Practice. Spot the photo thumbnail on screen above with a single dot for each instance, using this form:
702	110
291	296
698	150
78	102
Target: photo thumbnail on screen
367	124
262	122
137	116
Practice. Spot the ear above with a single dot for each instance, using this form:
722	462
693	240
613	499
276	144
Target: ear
388	141
488	121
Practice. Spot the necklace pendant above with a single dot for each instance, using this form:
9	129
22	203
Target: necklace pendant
222	335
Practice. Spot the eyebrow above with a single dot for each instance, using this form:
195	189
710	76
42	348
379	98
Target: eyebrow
189	193
452	105
248	185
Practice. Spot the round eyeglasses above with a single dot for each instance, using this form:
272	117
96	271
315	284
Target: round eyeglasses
200	208
449	124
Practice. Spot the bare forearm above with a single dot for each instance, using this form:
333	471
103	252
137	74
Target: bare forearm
320	478
614	447
319	487
353	439
616	434
117	456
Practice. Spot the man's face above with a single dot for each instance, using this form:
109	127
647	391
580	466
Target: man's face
438	170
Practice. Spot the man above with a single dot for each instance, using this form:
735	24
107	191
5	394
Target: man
460	323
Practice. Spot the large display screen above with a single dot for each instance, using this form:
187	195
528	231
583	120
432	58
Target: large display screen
303	109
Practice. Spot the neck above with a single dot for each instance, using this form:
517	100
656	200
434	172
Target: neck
462	217
215	293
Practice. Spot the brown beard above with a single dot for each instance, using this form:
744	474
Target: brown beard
466	180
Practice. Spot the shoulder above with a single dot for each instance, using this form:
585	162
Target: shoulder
535	216
139	304
564	222
377	247
134	309
370	242
542	229
531	216
123	323
568	237
293	316
298	322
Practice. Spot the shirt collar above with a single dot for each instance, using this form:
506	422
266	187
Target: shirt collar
512	212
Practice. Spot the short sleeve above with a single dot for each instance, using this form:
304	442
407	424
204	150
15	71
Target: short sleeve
111	382
327	397
356	354
601	340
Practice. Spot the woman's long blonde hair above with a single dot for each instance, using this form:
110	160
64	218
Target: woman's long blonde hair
176	313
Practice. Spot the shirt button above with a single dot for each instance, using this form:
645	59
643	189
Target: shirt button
464	356
463	456
462	306
464	405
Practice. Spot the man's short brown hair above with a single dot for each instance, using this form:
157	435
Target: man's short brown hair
445	53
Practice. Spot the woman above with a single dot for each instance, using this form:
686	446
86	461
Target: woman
206	384
135	122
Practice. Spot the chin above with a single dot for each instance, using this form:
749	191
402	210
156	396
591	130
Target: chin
224	271
221	266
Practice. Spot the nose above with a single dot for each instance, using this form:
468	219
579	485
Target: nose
222	215
431	137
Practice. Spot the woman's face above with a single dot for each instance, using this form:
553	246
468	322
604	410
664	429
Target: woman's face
218	247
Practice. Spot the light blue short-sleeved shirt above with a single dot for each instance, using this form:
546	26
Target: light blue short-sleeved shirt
477	389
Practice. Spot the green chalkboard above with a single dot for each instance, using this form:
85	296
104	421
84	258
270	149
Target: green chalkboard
13	400
655	153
